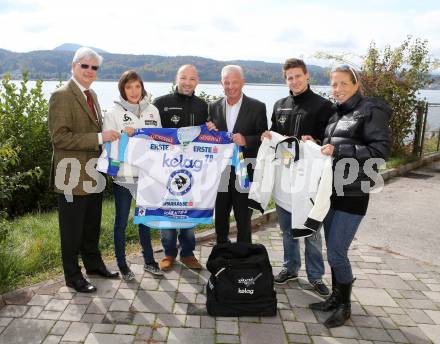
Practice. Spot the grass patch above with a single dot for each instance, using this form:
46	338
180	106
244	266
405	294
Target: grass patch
399	160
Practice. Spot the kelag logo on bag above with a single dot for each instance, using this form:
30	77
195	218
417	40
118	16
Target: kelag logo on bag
241	283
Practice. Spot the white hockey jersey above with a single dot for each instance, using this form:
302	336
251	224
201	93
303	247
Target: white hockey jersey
298	176
179	173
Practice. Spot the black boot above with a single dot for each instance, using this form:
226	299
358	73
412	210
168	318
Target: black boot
343	310
331	302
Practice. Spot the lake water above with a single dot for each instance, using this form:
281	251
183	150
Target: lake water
268	93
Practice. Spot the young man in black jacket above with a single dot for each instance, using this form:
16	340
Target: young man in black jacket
181	109
302	113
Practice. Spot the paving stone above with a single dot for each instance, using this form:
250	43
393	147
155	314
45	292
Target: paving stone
40	300
106	288
73	313
387	323
26	331
413	294
227	327
434	315
180	308
431	331
92	318
389	282
144	334
160	334
345	332
168	285
419	316
193	321
262	334
5	321
99	306
415	335
374	297
144	318
60	328
49	315
77	332
118	318
433	287
149	284
120	305
422	304
171	320
227	339
305	315
432	295
301	298
402	320
294	327
196	309
365	321
125	329
190	336
103	338
317	330
374	334
207	322
375	311
186	297
13	311
417	285
80	300
102	328
154	301
398	336
33	312
51	339
126	294
190	288
57	305
331	340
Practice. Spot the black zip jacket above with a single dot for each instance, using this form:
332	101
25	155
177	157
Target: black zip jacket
358	130
178	110
305	114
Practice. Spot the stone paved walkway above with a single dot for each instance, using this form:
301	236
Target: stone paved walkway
395	300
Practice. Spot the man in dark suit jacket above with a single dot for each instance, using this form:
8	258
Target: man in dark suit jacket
75	125
246	118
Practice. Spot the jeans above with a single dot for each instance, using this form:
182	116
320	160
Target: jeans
292	258
187	241
122	204
340	228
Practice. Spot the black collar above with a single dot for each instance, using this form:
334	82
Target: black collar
184	96
350	104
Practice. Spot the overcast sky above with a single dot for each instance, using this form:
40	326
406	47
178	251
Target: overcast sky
224	30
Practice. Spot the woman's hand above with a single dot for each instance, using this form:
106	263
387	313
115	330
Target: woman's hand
128	130
266	135
211	126
307	138
328	149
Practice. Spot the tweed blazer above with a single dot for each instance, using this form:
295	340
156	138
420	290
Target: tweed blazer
74	134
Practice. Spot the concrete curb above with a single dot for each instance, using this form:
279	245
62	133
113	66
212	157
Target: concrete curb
23	295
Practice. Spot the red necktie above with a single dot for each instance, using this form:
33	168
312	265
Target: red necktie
91	104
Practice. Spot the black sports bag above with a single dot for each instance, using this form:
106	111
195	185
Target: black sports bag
241	281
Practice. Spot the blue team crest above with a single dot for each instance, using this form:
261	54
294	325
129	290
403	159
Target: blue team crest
180	182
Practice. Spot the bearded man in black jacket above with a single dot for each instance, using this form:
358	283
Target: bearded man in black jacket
303	114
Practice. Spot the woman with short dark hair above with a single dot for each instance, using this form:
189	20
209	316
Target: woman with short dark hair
132	110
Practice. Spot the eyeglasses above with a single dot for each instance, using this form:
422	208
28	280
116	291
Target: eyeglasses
346	68
86	66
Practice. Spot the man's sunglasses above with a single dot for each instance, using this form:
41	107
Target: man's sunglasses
86	66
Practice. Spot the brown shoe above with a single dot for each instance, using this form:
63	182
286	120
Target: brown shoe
166	263
191	262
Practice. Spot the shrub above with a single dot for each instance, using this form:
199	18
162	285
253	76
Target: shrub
23	128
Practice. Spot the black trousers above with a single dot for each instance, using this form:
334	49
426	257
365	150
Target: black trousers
80	225
228	199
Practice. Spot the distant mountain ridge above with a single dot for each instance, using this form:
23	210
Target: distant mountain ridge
74	47
56	64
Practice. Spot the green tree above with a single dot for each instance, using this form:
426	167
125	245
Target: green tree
23	128
397	75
